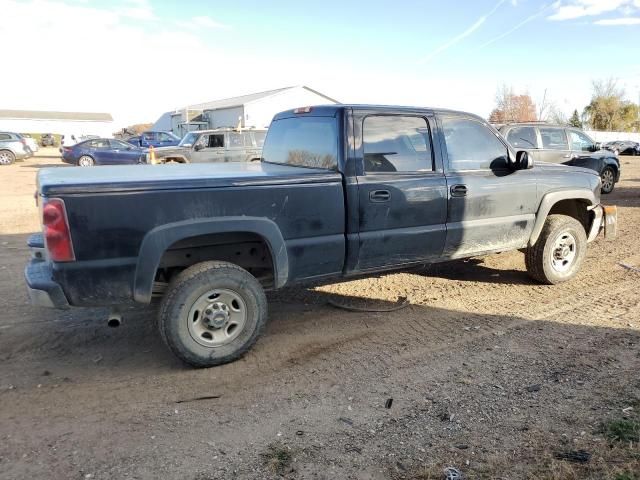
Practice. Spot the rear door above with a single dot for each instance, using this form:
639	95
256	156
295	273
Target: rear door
401	190
491	206
555	146
235	150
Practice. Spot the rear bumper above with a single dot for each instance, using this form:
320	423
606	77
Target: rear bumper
42	289
605	220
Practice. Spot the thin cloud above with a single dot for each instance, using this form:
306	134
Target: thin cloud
589	8
477	24
202	21
619	21
513	29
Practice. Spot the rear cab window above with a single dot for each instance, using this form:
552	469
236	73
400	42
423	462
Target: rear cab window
310	141
523	138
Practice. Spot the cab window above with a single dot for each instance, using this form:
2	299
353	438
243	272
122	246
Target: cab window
395	143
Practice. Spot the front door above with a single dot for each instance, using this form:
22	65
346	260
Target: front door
401	191
491	206
208	148
123	153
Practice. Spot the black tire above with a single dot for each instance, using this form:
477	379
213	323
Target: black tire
608	176
7	157
176	320
540	259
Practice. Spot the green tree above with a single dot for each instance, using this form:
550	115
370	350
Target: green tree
609	110
575	121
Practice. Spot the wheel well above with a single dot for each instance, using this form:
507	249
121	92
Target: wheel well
174	159
247	250
576	209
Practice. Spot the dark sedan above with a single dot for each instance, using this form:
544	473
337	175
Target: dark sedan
102	151
623	147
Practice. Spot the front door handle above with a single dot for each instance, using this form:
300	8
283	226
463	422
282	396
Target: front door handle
458	190
380	195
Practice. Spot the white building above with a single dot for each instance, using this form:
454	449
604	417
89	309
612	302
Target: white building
253	110
77	123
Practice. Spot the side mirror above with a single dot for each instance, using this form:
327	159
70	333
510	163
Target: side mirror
597	146
198	147
524	161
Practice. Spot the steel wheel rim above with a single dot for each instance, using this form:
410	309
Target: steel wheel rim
217	317
564	252
85	161
5	159
607	179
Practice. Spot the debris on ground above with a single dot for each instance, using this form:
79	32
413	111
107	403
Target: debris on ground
629	267
204	397
574	456
452	473
401	303
388	403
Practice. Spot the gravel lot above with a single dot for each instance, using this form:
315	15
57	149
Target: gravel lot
489	373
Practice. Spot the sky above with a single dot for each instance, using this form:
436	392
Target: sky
139	58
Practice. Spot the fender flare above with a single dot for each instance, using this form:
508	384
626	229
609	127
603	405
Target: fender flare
549	200
158	240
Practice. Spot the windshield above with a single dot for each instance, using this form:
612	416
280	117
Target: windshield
303	142
189	139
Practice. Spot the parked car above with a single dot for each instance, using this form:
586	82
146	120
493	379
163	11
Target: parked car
102	151
341	191
219	145
13	146
623	147
31	142
47	140
158	139
567	145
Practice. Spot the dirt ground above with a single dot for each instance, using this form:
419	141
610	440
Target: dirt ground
486	371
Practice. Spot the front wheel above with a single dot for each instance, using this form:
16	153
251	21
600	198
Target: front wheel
608	176
85	161
212	313
559	251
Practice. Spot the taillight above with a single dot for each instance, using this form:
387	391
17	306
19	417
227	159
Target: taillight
56	231
24	142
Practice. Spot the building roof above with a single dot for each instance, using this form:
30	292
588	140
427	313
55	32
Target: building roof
244	99
42	115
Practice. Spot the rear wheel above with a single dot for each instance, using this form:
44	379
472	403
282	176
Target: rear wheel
608	176
212	313
7	157
559	251
85	161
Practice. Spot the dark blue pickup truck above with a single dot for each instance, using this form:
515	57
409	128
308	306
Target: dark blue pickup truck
341	191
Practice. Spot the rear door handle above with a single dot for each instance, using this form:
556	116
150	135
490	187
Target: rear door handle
458	190
380	195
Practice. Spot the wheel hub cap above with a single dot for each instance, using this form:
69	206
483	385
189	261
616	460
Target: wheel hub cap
217	317
564	252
